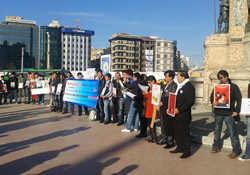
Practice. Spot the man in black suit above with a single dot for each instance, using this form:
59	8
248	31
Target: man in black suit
185	98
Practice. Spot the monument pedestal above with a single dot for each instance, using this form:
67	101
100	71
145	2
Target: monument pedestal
230	52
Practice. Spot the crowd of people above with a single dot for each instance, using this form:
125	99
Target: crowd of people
136	111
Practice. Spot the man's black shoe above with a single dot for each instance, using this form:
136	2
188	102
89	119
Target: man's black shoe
101	121
176	151
106	122
64	112
168	146
119	124
141	135
184	156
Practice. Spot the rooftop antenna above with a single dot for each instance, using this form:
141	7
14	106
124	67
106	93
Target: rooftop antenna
77	23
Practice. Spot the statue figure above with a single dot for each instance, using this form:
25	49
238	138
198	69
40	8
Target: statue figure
247	29
224	16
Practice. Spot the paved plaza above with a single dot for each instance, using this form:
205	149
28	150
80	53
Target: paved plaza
36	141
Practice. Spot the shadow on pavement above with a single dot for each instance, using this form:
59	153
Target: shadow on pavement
22	165
93	165
26	124
16	146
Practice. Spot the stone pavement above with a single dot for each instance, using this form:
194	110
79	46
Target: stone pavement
36	141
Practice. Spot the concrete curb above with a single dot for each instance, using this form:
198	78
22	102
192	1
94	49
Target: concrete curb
208	140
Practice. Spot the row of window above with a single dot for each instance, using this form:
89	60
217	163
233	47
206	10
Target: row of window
74	51
125	66
124	60
126	54
126	42
165	44
165	56
73	46
125	48
72	63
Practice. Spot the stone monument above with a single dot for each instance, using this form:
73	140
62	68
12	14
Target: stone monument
229	50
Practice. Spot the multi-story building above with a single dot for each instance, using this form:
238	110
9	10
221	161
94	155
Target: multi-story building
126	52
148	52
76	47
165	55
96	57
15	34
50	46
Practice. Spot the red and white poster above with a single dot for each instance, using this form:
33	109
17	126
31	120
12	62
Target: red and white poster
171	104
3	88
222	95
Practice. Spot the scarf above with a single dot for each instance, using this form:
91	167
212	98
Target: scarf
180	85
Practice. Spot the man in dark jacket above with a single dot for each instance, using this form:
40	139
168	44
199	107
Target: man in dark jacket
227	114
100	105
69	76
185	98
167	120
135	105
117	99
13	86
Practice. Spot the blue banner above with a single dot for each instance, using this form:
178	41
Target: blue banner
81	92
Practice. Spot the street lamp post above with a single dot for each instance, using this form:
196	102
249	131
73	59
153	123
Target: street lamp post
22	59
48	50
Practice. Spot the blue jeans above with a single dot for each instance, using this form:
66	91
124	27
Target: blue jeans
231	127
133	113
121	110
248	137
13	94
28	92
100	110
41	98
107	111
66	107
85	109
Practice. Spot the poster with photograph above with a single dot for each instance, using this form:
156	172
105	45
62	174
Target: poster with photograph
3	88
245	106
222	95
171	104
156	94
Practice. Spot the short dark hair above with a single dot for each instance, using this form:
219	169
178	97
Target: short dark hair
79	73
13	73
184	74
151	78
21	74
224	73
108	75
54	73
2	76
124	71
36	73
137	75
42	76
143	77
29	72
170	73
129	72
100	70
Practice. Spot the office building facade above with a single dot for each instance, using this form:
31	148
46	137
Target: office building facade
126	52
165	55
76	48
15	34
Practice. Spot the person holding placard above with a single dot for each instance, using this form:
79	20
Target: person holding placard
53	92
100	106
80	76
69	76
13	86
167	120
4	90
149	108
247	152
21	88
228	115
185	98
41	96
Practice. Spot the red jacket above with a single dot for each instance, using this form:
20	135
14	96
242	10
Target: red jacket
149	107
